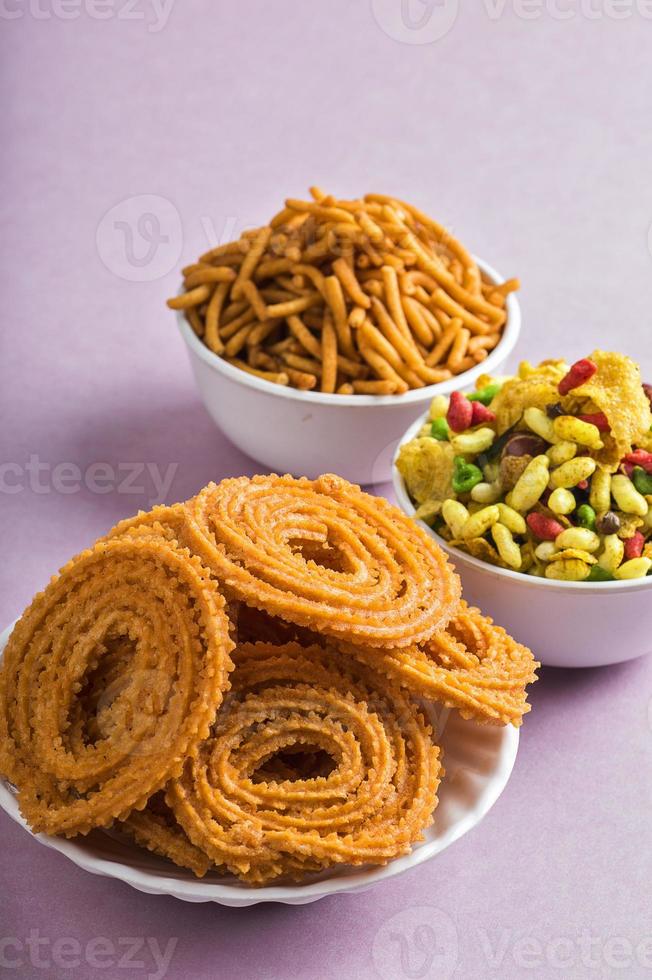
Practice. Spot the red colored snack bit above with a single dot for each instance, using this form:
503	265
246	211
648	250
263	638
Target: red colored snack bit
583	485
542	527
460	412
598	419
579	374
634	546
481	414
639	457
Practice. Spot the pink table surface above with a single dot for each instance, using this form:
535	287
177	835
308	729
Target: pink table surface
526	128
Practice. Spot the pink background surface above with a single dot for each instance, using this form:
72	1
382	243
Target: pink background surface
531	139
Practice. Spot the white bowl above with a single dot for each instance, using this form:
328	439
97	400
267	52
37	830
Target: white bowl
565	624
307	433
478	761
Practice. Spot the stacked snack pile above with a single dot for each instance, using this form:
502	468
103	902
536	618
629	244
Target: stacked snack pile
548	473
237	682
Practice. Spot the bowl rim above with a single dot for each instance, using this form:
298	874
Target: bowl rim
500	353
553	585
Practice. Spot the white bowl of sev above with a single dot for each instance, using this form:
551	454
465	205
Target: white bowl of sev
306	433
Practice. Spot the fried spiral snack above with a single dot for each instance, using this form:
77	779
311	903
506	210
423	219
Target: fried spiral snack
473	665
324	555
110	678
244	799
120	702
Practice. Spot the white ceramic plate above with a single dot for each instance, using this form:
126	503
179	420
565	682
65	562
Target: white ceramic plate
478	761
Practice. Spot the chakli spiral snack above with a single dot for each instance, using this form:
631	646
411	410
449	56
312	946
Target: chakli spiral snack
373	804
110	678
473	665
120	705
325	555
369	296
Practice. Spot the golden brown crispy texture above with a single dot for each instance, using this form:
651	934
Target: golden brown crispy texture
324	555
156	829
161	521
112	683
302	287
156	614
235	801
472	665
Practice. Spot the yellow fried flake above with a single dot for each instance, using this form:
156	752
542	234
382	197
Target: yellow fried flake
534	387
528	558
479	548
629	525
645	441
426	465
616	390
574	553
428	510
